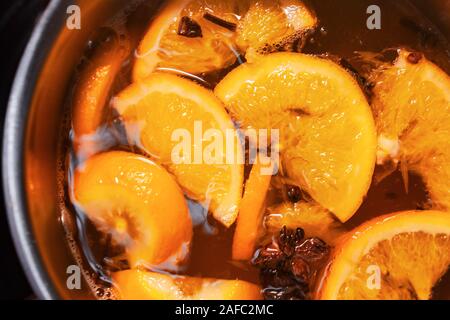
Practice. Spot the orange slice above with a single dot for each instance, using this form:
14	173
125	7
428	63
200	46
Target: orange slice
142	285
199	36
327	131
270	26
138	203
186	128
399	256
92	94
249	220
312	218
412	106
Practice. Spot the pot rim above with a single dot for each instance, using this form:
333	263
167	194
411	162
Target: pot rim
44	34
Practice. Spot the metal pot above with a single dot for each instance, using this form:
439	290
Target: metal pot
31	138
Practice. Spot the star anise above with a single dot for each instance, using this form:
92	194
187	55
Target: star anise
289	264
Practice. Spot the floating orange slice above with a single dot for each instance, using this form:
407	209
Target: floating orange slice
270	26
249	222
138	203
141	285
186	128
327	130
412	106
92	94
199	36
312	218
399	256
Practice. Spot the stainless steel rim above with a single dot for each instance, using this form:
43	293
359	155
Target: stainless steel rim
21	96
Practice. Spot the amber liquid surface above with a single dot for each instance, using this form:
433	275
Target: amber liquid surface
342	32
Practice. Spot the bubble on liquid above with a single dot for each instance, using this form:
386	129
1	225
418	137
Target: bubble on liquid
65	167
294	42
100	292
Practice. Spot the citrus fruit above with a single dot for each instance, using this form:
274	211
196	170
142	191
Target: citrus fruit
181	38
270	26
142	285
186	128
312	218
251	212
138	203
399	256
200	36
92	92
412	107
327	131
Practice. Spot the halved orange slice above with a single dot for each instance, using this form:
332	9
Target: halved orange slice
138	203
249	222
327	130
181	38
199	36
399	256
186	128
315	220
270	26
92	94
412	106
142	285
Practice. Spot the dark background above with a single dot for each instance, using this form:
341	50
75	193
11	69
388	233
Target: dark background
17	19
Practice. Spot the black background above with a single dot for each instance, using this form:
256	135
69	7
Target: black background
17	19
